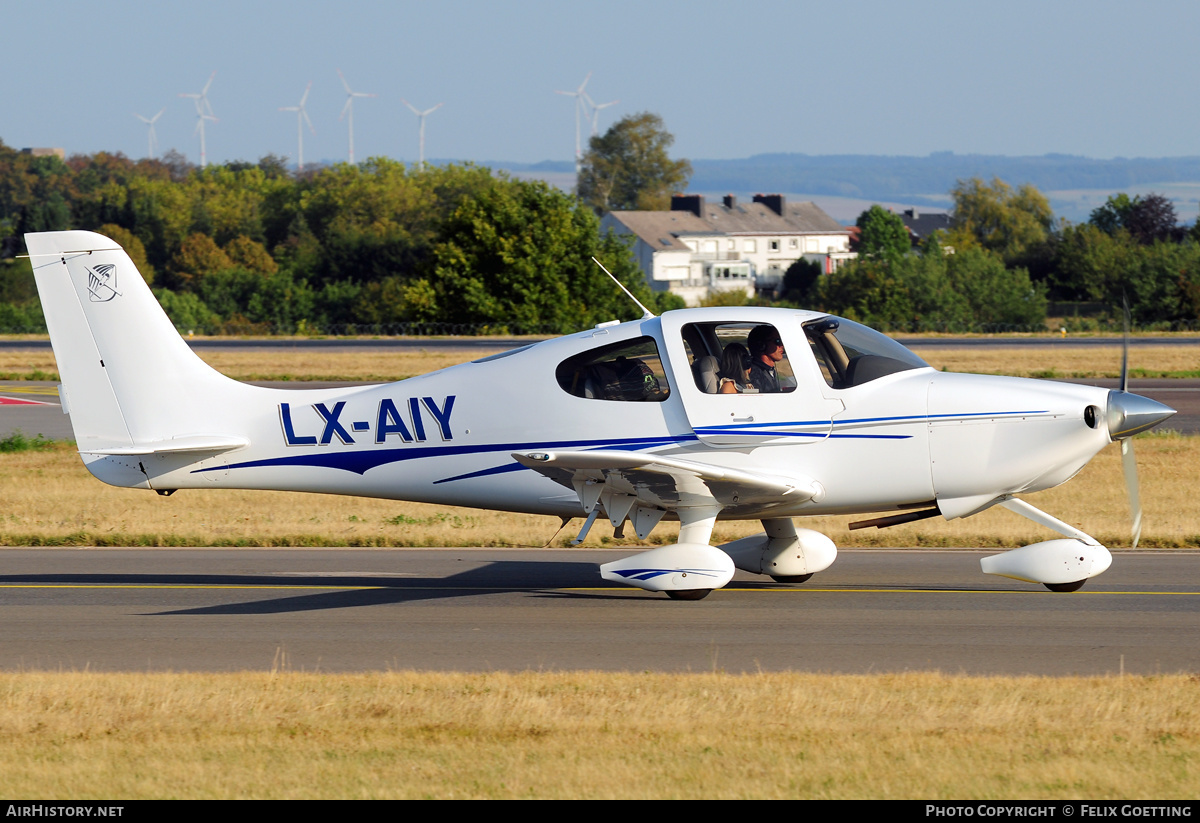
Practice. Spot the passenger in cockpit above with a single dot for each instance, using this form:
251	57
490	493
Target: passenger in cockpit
734	375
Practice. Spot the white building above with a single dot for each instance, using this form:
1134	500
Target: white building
697	249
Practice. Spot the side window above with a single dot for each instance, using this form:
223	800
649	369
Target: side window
738	358
630	371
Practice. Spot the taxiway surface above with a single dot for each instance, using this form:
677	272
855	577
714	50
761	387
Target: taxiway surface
515	610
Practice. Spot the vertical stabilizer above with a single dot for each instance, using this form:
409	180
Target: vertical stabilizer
129	378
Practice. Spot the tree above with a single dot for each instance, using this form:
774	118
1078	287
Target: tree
1146	218
882	234
518	255
1159	280
133	247
628	168
1111	217
250	255
1015	225
800	282
198	257
934	292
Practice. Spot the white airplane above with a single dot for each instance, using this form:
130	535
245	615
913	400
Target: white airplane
624	418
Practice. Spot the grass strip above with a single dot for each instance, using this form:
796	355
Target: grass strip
292	735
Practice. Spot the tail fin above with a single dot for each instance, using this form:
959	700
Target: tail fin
131	384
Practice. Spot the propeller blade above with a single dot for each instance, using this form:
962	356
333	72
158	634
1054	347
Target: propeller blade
1128	460
1129	466
1125	347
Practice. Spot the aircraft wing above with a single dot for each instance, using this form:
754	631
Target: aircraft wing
647	486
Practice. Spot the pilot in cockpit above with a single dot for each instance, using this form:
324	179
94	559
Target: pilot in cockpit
766	349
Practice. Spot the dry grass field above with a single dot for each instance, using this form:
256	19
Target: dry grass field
50	499
1066	361
597	735
297	364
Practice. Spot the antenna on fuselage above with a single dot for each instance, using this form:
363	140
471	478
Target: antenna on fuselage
646	313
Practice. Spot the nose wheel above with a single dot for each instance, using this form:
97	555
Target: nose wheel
791	580
690	594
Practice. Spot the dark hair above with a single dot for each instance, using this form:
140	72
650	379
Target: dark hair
734	362
762	339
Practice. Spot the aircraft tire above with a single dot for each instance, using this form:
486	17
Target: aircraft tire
794	579
1065	587
690	594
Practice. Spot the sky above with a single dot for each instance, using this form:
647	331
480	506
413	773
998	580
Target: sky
1099	79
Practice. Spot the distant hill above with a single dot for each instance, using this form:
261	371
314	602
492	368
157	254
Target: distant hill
876	177
845	184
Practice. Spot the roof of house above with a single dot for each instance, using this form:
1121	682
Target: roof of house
923	224
662	229
809	217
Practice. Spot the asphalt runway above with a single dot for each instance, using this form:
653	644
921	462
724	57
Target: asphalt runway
517	610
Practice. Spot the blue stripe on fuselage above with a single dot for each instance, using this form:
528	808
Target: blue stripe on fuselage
360	462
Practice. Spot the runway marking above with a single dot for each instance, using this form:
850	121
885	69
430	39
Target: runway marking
947	591
178	586
18	388
15	401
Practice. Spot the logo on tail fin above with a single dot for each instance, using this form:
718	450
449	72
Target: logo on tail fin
102	282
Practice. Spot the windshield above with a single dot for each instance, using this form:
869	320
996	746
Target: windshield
850	354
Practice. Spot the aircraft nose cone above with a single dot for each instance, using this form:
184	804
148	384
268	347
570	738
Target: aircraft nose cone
1129	414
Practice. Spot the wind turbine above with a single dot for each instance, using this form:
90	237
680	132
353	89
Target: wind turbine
596	111
203	112
301	119
150	121
578	94
421	116
348	109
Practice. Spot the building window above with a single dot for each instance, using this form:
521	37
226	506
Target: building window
773	245
731	245
749	246
794	243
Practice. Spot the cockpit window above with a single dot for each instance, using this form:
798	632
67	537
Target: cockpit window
850	354
631	371
738	358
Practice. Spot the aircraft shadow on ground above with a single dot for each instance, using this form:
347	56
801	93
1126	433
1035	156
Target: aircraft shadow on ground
540	579
348	591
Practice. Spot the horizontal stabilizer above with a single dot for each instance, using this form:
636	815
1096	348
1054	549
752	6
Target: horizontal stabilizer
196	443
